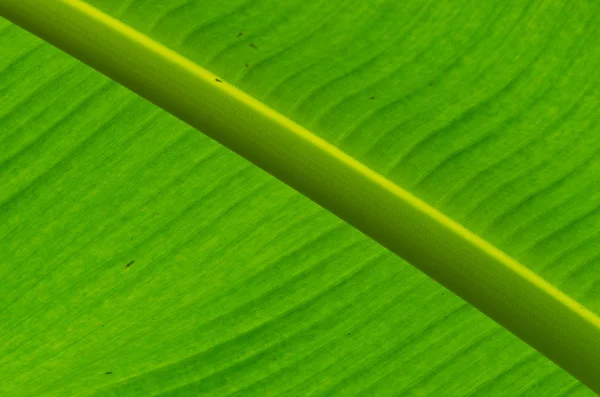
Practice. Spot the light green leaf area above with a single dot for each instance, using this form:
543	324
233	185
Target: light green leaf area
239	285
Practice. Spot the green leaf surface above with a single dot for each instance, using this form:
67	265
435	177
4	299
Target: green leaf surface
241	286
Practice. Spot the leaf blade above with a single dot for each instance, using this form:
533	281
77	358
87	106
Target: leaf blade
468	265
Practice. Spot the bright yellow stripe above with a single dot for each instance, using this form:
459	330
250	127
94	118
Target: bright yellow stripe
513	295
333	151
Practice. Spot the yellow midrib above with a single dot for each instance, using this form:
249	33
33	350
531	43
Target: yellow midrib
559	327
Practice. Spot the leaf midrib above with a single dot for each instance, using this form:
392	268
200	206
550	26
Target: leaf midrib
507	291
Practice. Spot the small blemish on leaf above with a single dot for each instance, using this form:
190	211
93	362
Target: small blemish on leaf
108	373
130	263
240	34
372	97
218	81
252	45
246	65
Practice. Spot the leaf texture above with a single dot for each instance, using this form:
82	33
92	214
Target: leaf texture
154	204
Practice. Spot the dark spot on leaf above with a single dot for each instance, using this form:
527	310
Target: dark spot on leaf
130	263
218	81
240	34
372	97
108	373
246	65
252	45
442	293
